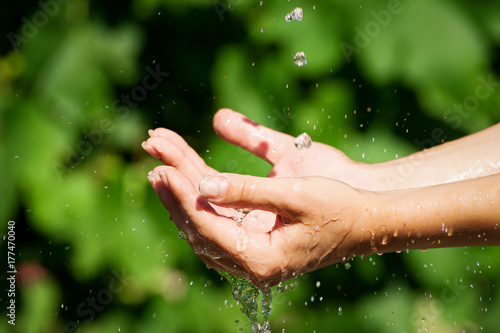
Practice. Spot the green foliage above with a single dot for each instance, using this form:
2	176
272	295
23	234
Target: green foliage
77	96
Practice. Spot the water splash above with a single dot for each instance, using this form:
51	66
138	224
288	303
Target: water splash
295	15
300	59
246	294
303	141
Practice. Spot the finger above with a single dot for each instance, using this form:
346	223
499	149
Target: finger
209	225
168	200
176	140
176	212
225	211
284	196
168	138
261	141
172	150
209	254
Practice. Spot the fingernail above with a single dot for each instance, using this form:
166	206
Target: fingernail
145	145
151	178
161	174
151	133
213	187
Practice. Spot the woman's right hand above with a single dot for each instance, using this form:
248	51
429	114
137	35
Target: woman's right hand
292	225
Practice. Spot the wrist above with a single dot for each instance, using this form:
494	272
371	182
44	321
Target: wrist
407	219
448	215
385	176
366	176
370	227
407	172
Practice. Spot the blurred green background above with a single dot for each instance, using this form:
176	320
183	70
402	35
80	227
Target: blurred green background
82	81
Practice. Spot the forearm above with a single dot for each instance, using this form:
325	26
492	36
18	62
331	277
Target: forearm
476	155
464	213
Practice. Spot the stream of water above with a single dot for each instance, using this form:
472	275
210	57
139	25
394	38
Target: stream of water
247	295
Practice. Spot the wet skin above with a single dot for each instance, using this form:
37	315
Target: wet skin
319	207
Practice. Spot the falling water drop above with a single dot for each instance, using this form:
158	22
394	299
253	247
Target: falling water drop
300	59
303	141
296	14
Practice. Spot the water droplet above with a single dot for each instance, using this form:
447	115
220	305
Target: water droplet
182	235
340	311
296	14
347	266
303	141
300	59
318	284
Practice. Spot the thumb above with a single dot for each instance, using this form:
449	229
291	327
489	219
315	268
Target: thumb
278	195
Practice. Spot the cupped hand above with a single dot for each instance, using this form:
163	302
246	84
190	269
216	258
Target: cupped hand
275	147
307	222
